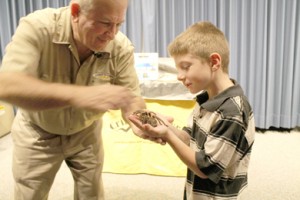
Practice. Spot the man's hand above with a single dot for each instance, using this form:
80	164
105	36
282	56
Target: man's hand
102	98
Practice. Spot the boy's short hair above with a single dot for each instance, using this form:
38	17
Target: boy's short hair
201	40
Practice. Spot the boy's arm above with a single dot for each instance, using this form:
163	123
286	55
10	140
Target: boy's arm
178	139
181	134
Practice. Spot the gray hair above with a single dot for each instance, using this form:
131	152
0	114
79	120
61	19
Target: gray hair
85	5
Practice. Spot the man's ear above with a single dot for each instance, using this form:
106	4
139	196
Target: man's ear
75	9
215	60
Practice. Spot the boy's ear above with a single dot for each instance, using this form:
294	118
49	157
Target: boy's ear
75	9
215	60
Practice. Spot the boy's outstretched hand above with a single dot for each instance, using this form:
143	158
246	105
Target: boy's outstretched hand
154	127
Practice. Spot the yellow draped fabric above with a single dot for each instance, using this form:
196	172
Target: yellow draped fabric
128	154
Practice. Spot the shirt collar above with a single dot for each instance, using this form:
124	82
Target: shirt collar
217	101
63	30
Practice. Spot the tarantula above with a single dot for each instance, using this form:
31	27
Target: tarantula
148	117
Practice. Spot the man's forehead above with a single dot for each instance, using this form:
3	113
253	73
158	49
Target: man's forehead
109	12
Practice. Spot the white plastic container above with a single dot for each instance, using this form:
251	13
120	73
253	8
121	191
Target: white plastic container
6	118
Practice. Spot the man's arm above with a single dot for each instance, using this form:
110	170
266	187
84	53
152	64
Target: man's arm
33	94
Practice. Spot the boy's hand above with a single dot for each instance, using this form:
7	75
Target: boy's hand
156	131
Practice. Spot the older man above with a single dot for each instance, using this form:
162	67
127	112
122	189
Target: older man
64	68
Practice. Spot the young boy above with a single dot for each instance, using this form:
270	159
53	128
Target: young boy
216	146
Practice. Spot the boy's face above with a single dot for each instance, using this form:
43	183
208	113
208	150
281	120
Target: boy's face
193	72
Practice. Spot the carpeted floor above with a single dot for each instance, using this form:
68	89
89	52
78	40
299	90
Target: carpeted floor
273	174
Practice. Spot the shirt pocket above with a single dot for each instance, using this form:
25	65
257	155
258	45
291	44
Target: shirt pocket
99	78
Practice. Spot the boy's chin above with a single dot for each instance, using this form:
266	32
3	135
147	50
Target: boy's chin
193	91
196	92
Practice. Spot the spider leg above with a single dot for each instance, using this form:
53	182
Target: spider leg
160	121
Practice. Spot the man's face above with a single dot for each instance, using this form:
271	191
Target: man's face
100	25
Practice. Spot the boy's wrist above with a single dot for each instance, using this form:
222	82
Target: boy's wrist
169	134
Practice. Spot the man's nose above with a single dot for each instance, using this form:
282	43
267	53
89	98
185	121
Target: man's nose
112	31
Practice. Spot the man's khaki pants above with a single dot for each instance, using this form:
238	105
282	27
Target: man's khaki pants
38	156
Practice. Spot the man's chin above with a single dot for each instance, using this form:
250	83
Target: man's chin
98	49
100	46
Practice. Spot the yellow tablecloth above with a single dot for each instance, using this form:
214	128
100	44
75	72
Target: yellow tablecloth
6	118
125	153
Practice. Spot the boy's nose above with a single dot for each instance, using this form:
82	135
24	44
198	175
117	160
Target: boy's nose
180	76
